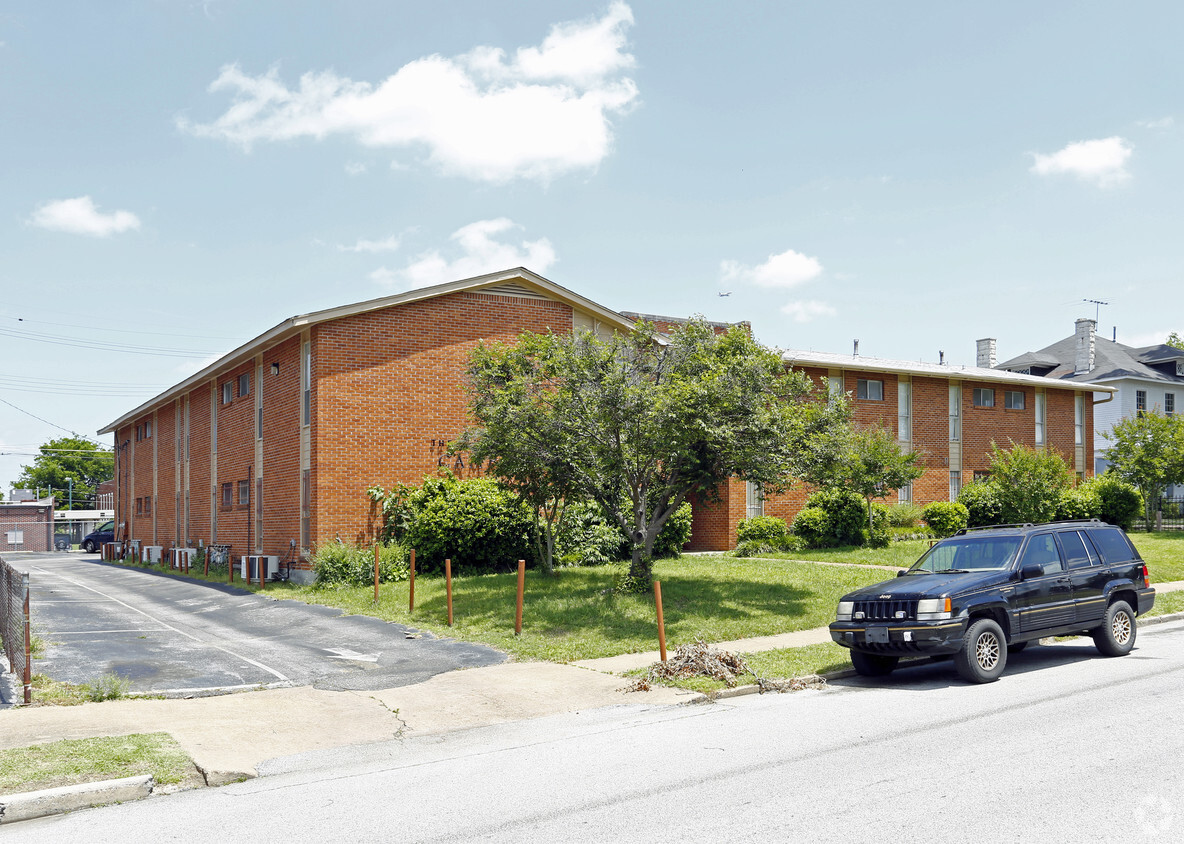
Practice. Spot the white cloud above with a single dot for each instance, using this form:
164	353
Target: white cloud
1161	123
787	269
1102	161
81	216
355	168
389	245
544	112
481	252
808	311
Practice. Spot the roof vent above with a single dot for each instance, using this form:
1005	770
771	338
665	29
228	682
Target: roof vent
941	358
856	352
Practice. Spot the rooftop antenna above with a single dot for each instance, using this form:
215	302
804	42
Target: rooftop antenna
1098	309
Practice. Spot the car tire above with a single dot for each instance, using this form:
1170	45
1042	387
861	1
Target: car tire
88	547
1116	634
873	665
984	652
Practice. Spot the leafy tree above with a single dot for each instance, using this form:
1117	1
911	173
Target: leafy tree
1148	453
1029	482
638	422
872	463
1174	340
87	463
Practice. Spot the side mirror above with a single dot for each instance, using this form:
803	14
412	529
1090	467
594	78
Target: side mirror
1031	570
902	572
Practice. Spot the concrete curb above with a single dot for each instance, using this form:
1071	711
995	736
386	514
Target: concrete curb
55	801
1160	619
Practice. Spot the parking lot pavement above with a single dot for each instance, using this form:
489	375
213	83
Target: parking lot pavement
168	635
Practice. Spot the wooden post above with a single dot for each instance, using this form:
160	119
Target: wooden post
411	590
448	586
661	623
28	673
261	565
207	559
376	572
229	570
521	589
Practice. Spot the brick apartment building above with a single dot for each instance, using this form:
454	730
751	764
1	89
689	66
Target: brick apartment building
271	449
26	525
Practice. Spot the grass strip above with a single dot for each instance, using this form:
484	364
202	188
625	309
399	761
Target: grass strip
77	761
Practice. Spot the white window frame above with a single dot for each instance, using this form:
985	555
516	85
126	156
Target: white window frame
1010	397
754	500
984	397
955	413
864	389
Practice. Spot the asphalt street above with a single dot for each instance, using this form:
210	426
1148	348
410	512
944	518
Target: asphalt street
171	635
1068	746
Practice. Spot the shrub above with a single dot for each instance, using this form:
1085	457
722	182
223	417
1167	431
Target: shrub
338	564
1029	482
675	533
1119	503
846	515
476	522
812	526
768	530
585	538
904	514
1079	503
945	517
981	500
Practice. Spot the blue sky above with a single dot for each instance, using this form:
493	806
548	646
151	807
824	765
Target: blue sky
179	176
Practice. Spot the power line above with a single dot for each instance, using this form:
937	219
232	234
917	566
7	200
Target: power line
125	348
93	327
52	424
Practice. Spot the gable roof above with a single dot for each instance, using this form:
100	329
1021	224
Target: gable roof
1112	361
517	282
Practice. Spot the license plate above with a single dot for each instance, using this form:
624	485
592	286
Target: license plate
877	635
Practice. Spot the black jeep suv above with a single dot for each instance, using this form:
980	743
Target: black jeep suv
984	592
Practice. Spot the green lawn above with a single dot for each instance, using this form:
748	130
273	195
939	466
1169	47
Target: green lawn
1163	553
574	615
75	761
899	554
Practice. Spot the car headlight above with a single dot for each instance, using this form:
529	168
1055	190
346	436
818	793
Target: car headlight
933	609
845	610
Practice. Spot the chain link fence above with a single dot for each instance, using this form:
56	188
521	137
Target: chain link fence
14	624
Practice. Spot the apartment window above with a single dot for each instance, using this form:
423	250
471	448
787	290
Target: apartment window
1013	399
955	485
1169	404
227	495
1079	421
904	412
244	492
1180	368
869	389
1140	402
137	433
139	506
306	377
258	423
226	390
984	397
1040	407
905	493
305	507
754	500
244	385
955	413
981	475
148	505
148	429
834	387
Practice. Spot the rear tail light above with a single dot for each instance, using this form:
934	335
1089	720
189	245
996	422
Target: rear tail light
1146	577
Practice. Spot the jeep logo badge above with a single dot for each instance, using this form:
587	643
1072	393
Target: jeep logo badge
885	597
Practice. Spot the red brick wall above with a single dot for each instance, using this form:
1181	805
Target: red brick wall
389	393
34	522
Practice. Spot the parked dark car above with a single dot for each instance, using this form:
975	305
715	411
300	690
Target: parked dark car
984	592
95	539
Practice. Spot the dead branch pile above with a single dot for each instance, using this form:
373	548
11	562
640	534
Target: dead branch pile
700	660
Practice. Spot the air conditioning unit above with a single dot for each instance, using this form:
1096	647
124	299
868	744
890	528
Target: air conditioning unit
151	554
183	557
249	566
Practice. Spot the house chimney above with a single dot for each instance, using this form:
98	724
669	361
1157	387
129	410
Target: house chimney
1083	358
986	353
856	352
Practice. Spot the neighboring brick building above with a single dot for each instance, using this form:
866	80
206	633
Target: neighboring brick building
271	449
26	525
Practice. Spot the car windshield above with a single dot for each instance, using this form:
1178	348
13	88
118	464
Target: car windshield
983	553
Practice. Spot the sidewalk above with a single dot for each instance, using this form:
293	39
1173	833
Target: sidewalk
230	735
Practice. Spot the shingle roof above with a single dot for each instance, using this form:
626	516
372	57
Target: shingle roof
1111	361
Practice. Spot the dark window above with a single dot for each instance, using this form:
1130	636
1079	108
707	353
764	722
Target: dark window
984	397
227	495
1140	402
1042	550
1013	399
1169	404
982	474
866	388
244	492
244	385
1113	545
259	424
1074	549
148	506
139	506
226	389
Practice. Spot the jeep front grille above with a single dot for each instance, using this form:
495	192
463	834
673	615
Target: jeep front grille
882	610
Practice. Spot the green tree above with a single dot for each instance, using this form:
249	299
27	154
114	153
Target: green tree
1029	482
1174	340
638	422
65	458
872	463
1148	453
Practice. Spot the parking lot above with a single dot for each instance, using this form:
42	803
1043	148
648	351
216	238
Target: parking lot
175	636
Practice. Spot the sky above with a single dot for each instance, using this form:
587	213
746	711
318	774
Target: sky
178	176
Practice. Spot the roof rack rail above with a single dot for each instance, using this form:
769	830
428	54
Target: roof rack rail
1091	521
993	527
